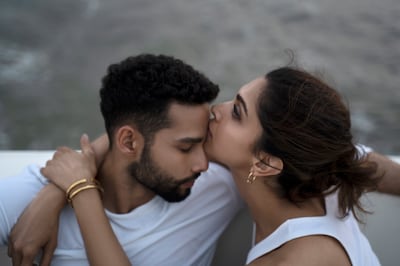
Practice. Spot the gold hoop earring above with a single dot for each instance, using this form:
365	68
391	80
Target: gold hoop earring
250	178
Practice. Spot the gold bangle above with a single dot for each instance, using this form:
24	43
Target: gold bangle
74	193
75	184
96	182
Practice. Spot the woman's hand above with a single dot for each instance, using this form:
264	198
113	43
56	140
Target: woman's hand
69	166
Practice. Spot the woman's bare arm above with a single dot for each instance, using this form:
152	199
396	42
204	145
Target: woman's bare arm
102	246
100	147
389	171
68	168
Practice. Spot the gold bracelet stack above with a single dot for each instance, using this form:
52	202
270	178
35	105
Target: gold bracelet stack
81	185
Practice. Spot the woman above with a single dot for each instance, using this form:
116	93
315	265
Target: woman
286	139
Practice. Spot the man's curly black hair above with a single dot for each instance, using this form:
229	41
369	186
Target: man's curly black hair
140	89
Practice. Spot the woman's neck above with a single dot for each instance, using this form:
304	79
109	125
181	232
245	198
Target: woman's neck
269	209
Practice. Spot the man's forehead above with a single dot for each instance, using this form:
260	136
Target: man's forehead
187	115
176	106
188	123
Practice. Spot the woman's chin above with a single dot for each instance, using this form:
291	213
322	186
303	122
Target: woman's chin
208	149
211	154
215	159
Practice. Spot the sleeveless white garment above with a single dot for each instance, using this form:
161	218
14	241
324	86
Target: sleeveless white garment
345	230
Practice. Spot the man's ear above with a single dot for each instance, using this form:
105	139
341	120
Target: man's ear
267	165
128	140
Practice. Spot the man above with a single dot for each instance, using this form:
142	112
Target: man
156	114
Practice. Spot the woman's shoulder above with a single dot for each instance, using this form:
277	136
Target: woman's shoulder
308	250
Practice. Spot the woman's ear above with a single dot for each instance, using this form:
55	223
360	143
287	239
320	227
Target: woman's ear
128	139
267	165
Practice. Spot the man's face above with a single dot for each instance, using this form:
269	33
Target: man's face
170	165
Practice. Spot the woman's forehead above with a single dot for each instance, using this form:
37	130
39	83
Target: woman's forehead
255	84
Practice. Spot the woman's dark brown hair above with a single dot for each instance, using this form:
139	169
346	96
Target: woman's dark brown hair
307	125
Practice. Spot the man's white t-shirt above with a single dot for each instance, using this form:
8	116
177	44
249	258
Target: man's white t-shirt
156	233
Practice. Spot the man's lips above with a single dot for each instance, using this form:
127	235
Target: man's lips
190	181
188	184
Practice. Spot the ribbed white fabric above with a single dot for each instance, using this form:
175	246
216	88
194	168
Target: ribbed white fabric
345	230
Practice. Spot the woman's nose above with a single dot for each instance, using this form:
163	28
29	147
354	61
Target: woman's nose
215	112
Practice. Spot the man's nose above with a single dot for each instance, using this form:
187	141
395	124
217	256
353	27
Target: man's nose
201	162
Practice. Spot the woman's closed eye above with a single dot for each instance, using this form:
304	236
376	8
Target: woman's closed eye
236	111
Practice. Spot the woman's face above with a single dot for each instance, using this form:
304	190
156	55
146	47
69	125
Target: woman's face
235	128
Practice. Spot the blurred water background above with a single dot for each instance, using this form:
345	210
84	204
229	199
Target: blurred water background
54	53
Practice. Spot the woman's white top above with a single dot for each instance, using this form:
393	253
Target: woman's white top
345	230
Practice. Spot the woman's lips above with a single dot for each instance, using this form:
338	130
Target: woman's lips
209	133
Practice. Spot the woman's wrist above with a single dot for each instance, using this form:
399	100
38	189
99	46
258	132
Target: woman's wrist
80	186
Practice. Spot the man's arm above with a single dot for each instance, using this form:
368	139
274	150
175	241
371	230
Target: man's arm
36	228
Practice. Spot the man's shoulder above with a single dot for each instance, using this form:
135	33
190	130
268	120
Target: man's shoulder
16	192
29	174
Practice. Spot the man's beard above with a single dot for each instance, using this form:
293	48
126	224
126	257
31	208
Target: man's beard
147	173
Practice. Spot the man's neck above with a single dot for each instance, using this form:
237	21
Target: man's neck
122	193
